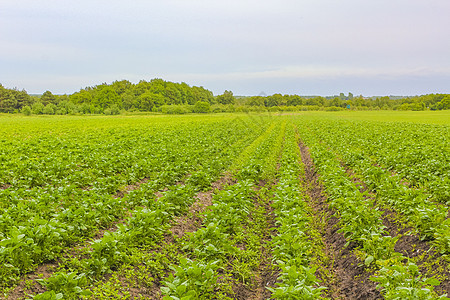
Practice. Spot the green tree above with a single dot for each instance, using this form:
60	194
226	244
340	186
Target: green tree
444	103
129	100
8	100
274	100
172	94
83	96
255	101
23	99
49	109
186	94
106	97
148	100
295	100
26	110
121	86
37	108
47	98
226	98
202	94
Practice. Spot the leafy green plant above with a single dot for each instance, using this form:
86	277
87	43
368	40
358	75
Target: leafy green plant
191	280
62	285
297	283
403	281
108	252
210	243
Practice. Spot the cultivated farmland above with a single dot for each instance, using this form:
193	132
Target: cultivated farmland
301	206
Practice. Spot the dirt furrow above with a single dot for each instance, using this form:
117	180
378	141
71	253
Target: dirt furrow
351	279
192	220
266	274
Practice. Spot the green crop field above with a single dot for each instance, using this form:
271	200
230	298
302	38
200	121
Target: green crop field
307	205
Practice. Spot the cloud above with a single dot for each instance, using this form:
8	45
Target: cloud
218	43
317	72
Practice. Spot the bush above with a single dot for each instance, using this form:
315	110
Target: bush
49	109
202	107
113	110
218	108
26	110
37	108
333	108
175	109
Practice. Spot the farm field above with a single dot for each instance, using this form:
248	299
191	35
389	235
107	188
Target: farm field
312	205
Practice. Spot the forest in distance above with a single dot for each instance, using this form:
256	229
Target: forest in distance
158	95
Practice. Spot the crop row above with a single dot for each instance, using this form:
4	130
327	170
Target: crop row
361	223
143	230
227	248
116	242
415	204
293	246
418	153
37	224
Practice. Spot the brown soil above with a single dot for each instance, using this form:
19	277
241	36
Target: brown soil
192	220
351	280
4	186
268	274
43	271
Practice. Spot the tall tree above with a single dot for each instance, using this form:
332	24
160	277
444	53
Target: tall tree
48	97
226	98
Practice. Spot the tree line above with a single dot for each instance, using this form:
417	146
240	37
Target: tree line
424	102
158	95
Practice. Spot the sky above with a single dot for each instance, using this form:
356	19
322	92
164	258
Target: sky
304	47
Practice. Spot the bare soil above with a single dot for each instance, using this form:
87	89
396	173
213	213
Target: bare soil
192	220
30	285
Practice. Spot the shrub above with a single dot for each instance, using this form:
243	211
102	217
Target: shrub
26	110
202	107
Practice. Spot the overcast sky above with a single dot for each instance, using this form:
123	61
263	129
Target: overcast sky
305	47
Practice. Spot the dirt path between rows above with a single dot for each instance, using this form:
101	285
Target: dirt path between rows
351	280
267	273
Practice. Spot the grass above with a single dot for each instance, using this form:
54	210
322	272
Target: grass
441	117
